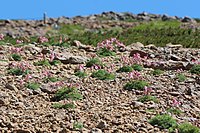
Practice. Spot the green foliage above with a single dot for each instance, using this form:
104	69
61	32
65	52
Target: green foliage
65	45
137	67
64	106
103	75
33	86
77	125
195	69
51	79
159	33
68	93
147	98
164	122
158	25
81	74
157	72
16	57
94	61
174	111
70	29
125	69
103	52
181	77
136	84
197	19
42	63
55	62
188	128
17	71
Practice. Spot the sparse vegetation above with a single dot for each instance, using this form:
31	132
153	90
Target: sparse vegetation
125	69
77	126
174	111
17	71
188	128
33	85
42	63
64	106
147	98
55	62
181	77
137	67
103	52
136	85
103	75
164	122
157	72
94	61
195	69
81	74
16	57
68	93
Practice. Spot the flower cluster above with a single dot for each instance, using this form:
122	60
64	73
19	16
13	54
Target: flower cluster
95	67
81	67
147	90
134	75
22	65
52	56
43	39
175	102
1	36
15	50
135	59
110	44
196	62
19	41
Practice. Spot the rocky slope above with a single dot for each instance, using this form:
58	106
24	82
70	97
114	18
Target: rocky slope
16	28
106	106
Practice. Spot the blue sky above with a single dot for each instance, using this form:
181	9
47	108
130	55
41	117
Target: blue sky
34	9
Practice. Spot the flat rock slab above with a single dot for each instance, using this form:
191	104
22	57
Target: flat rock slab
71	59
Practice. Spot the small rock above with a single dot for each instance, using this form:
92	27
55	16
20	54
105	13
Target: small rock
142	53
170	45
95	130
11	87
45	51
137	104
175	58
174	93
138	45
72	59
151	46
22	131
102	125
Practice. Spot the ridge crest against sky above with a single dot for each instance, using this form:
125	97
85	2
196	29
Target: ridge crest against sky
34	9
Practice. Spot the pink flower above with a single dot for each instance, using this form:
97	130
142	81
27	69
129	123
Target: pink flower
21	82
19	41
81	67
43	39
52	56
28	76
60	40
179	70
147	90
1	36
134	75
97	67
175	102
15	50
196	61
46	73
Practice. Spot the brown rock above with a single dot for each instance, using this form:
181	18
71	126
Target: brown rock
142	53
170	45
